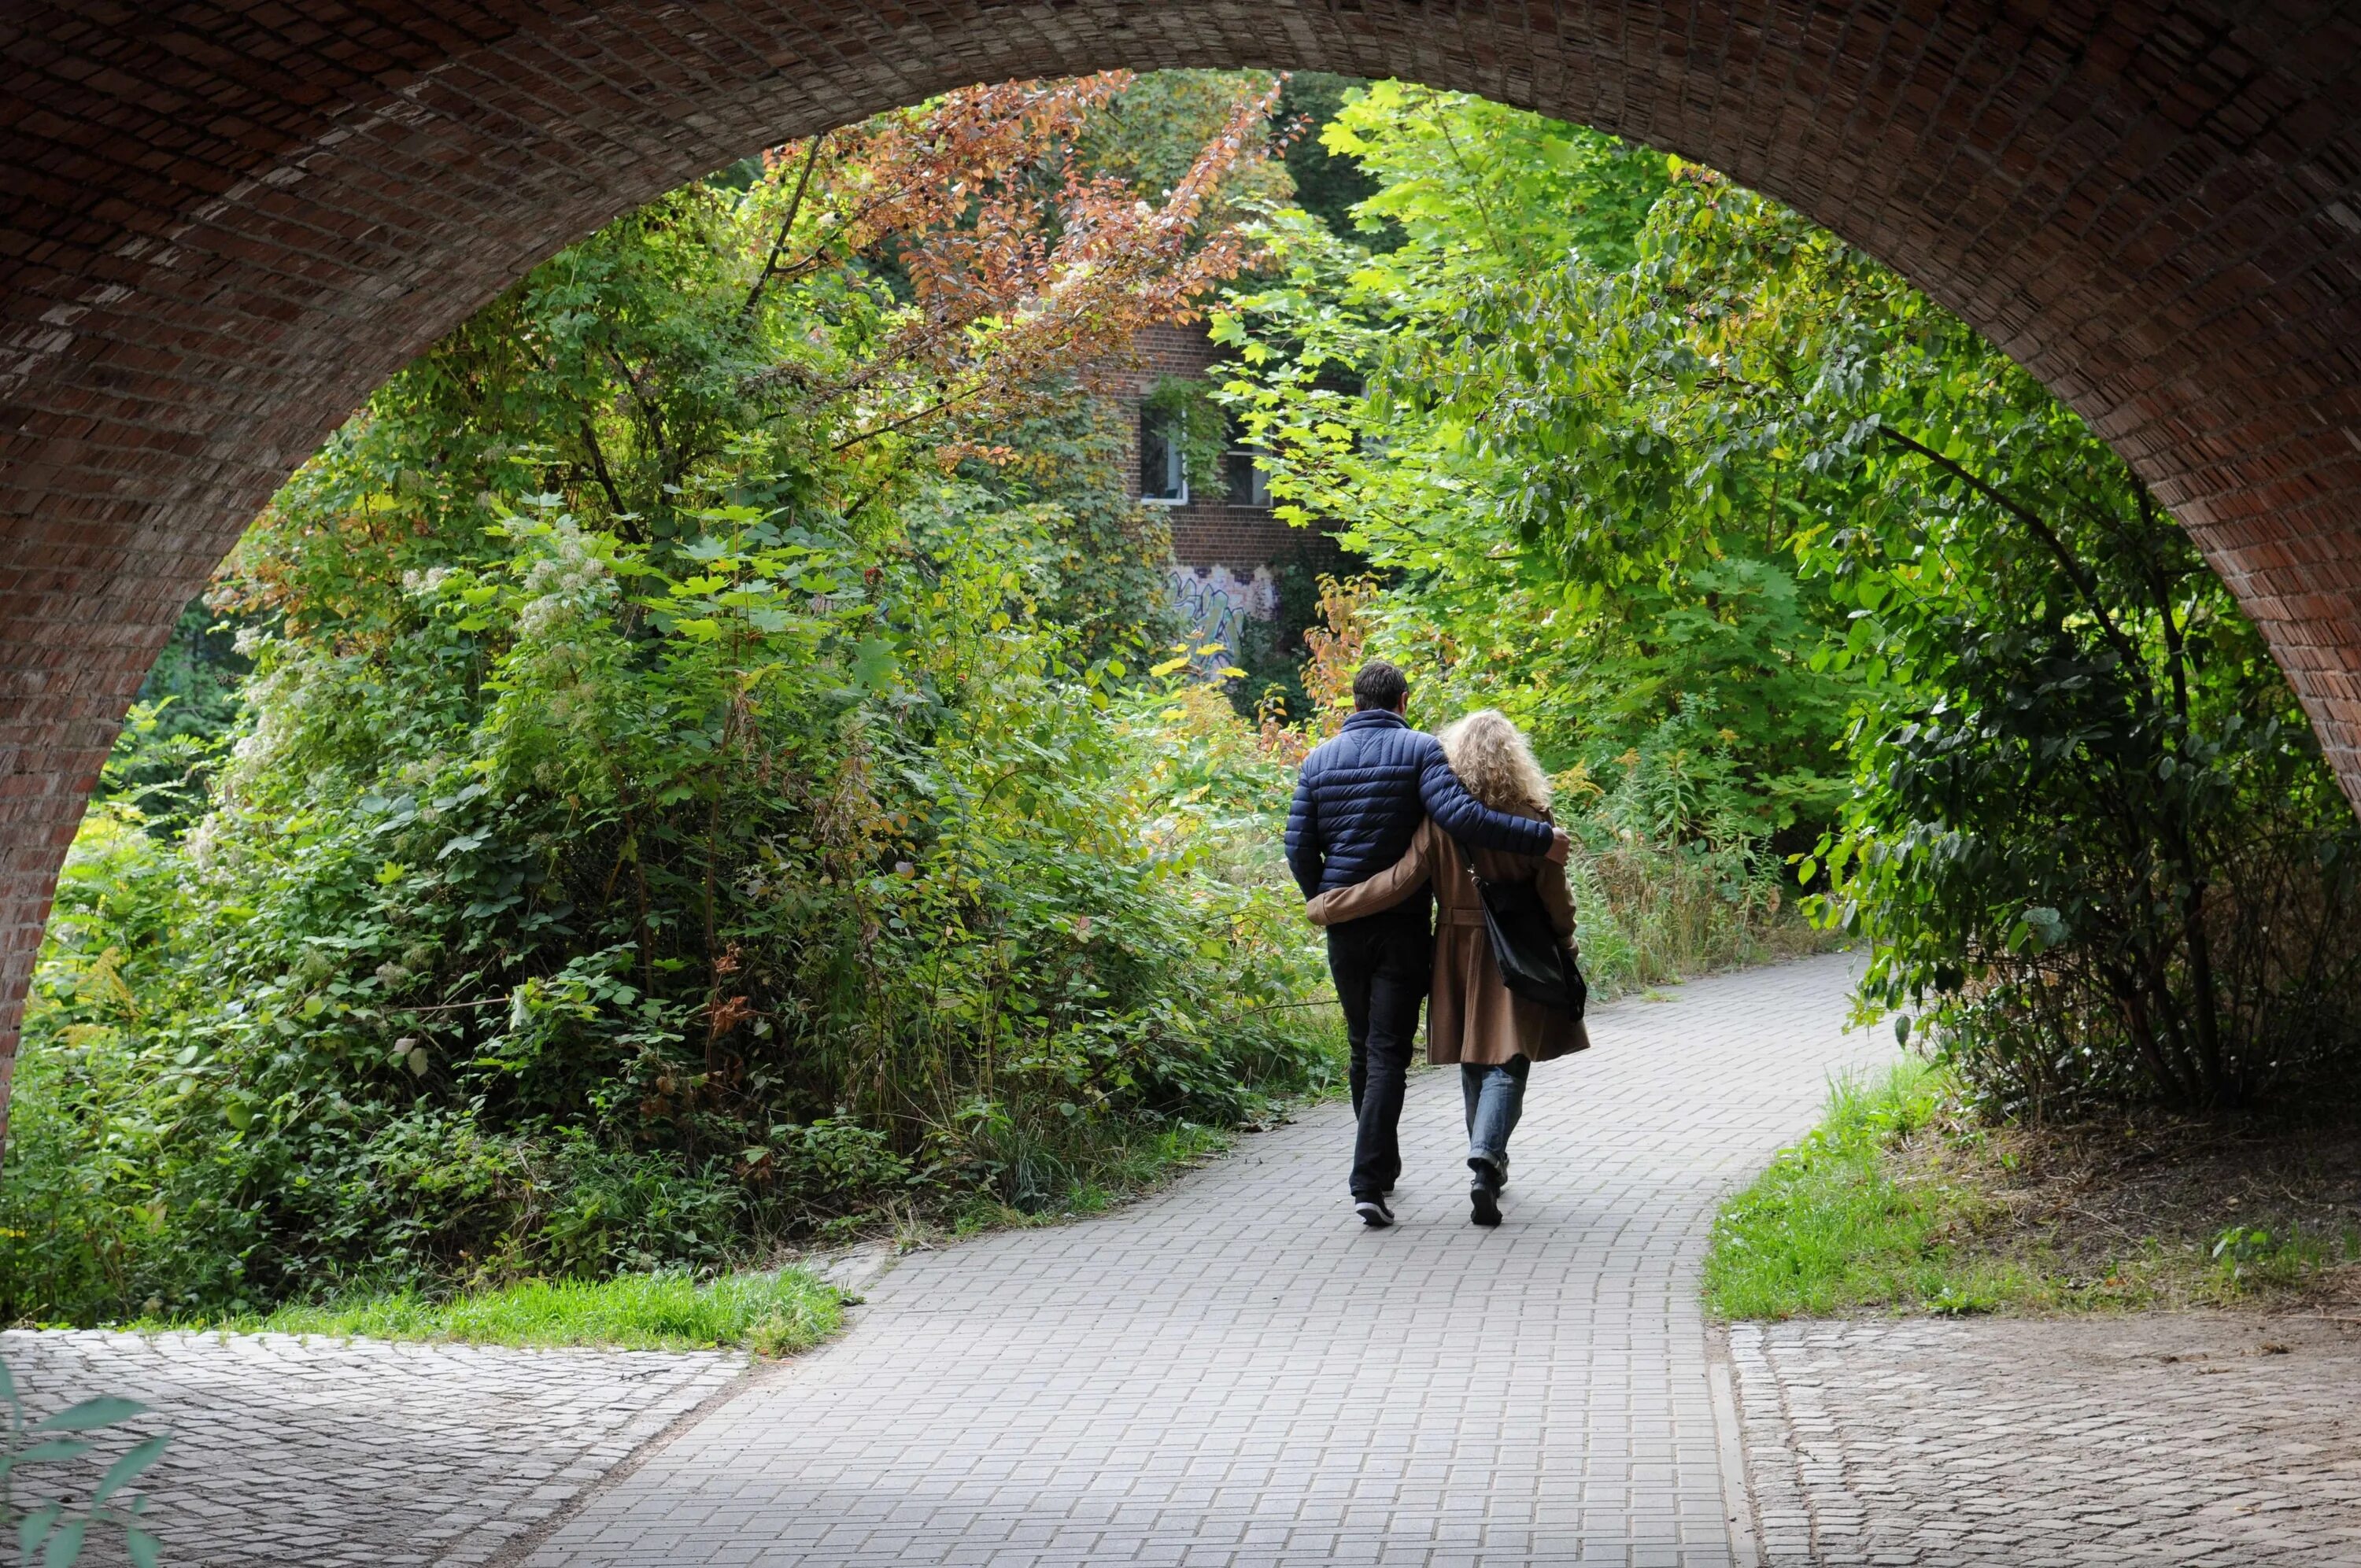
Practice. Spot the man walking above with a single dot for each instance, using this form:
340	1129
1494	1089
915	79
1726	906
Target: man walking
1358	800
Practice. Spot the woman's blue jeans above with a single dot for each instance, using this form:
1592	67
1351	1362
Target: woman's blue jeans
1496	1098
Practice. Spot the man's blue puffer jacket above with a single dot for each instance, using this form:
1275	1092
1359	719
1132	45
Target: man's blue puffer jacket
1361	795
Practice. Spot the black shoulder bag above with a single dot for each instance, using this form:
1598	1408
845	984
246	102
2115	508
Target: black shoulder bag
1533	962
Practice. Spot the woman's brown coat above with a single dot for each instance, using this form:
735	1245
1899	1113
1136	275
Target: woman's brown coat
1471	1015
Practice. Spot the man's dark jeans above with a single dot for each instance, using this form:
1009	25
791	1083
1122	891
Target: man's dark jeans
1381	966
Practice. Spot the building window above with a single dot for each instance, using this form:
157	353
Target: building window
1163	468
1248	484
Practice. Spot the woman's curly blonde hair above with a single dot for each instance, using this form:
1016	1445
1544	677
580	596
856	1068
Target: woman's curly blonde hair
1492	759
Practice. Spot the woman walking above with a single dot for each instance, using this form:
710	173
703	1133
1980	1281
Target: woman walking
1472	1018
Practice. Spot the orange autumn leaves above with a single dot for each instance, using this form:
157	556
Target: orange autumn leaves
1022	268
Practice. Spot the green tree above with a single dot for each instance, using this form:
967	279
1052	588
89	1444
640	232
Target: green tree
1717	492
693	787
1475	405
2088	828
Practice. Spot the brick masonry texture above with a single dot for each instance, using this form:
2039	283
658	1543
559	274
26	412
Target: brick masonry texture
1206	530
2231	1440
1235	1372
224	222
292	1453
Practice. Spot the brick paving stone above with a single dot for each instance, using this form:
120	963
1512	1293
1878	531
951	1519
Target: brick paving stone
318	1453
1234	1372
2005	1443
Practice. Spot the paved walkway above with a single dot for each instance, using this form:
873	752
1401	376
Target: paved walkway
312	1452
2223	1439
1233	1373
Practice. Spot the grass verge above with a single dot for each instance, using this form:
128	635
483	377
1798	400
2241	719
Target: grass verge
1899	1203
772	1314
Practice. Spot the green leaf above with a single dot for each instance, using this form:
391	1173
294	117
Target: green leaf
34	1529
872	663
134	1460
64	1546
103	1411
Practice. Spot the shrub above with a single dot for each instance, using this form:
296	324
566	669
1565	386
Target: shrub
2091	835
718	908
691	789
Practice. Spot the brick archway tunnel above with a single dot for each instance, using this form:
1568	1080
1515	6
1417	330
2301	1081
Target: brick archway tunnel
226	223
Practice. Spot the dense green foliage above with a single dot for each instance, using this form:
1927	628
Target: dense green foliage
1329	181
2087	827
698	766
1661	664
1492	456
1781	557
180	724
696	782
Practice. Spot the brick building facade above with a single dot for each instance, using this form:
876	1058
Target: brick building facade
1225	544
223	225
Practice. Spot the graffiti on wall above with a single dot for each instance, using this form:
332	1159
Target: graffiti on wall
1215	605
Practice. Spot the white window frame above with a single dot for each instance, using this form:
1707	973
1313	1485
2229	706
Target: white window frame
1175	492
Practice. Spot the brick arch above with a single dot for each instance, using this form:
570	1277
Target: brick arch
226	223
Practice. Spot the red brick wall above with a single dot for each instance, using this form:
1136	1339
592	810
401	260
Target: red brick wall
224	223
1206	530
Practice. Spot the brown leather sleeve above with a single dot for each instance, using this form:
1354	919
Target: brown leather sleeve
1381	892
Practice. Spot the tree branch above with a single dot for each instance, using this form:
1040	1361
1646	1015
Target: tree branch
607	480
894	424
648	411
779	245
2076	573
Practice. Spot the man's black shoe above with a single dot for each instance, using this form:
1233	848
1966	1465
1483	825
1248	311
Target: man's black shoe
1484	1202
1374	1212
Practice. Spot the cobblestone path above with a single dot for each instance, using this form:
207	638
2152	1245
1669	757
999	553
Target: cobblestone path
313	1453
2202	1438
1234	1372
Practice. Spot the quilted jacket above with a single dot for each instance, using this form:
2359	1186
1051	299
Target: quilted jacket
1361	795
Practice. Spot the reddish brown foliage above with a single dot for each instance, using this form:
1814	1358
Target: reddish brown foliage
1025	268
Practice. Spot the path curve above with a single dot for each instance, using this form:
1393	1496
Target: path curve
1232	1371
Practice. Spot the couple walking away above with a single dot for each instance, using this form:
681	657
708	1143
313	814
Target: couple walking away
1388	824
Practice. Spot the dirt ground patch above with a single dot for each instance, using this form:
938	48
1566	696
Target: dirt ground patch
2154	1211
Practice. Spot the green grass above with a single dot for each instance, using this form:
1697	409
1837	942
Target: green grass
1828	1229
1894	1204
771	1314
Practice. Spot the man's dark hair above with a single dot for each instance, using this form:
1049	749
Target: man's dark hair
1379	685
